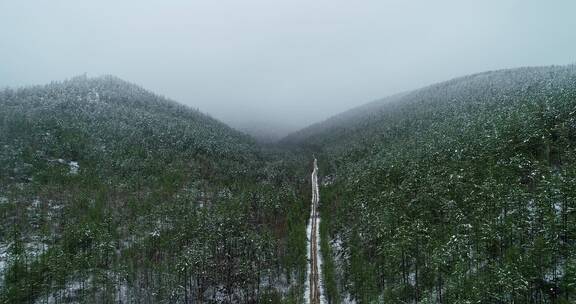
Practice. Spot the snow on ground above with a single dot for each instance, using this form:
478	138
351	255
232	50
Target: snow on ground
34	248
3	261
69	294
76	287
347	299
340	255
308	267
328	180
320	262
556	272
279	284
74	167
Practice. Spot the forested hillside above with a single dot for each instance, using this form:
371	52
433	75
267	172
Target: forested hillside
109	193
460	192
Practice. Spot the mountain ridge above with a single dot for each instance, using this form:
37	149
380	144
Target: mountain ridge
379	104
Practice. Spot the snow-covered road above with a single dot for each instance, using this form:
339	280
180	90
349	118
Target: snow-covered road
314	291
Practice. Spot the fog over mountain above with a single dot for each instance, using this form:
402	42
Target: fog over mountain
286	64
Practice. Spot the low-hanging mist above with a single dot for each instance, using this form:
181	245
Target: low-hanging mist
278	65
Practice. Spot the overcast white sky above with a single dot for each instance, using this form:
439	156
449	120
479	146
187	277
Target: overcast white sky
290	62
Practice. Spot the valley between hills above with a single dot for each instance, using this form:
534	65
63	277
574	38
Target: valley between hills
459	192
